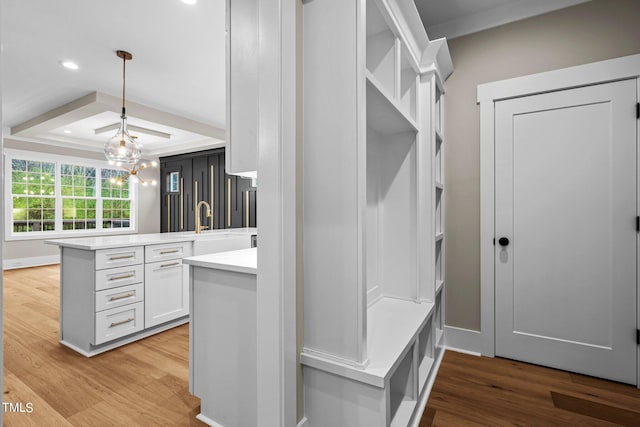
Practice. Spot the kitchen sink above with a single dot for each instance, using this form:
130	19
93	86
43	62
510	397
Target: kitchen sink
209	243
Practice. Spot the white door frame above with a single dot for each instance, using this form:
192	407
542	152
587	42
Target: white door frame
627	67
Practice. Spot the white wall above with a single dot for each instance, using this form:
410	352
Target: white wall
148	203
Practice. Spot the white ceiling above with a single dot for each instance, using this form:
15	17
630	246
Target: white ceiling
178	61
455	18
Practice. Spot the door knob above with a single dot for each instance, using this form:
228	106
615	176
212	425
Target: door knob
503	241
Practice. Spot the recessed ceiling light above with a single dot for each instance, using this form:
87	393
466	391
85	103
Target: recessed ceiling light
189	1
69	64
66	131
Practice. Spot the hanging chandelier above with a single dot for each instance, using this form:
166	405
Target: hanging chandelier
122	148
133	174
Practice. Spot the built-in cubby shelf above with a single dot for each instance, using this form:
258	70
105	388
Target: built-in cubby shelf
381	50
438	209
437	167
373	174
408	84
403	391
439	219
392	328
438	260
438	319
384	114
437	112
425	353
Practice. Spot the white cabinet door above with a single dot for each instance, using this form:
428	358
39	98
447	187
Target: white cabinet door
166	292
242	86
566	201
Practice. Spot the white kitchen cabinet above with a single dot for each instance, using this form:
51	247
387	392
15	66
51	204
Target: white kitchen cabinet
371	309
118	289
223	337
110	297
166	291
241	155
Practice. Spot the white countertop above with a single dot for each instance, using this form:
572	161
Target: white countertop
125	240
242	261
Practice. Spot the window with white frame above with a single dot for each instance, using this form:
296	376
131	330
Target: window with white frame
33	195
116	203
79	201
55	195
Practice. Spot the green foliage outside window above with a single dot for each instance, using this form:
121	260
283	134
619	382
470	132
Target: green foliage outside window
33	191
33	188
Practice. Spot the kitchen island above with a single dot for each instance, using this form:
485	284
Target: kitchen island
222	337
118	289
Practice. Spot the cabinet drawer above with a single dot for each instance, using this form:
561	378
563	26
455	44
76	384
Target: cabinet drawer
155	253
114	277
119	322
118	257
117	297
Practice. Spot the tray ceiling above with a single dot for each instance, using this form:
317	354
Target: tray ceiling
177	73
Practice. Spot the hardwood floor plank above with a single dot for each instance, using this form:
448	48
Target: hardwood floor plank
445	418
472	390
146	382
427	417
15	391
141	384
596	410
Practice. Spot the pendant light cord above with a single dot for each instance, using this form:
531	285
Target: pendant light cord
124	64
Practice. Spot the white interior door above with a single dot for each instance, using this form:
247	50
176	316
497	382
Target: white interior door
565	194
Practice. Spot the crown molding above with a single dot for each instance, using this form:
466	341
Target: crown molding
489	18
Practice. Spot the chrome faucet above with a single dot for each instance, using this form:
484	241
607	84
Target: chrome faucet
208	215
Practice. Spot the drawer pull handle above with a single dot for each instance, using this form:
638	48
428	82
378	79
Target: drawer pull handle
169	252
116	298
114	258
171	264
122	322
126	276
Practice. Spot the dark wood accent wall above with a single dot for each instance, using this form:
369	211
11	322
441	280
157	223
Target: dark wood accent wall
202	176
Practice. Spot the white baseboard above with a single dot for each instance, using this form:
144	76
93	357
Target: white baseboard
463	340
208	421
10	264
304	422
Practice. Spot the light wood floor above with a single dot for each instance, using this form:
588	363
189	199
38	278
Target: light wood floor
481	391
141	384
146	383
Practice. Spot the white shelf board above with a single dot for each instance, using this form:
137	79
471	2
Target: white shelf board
439	137
439	284
392	327
385	115
423	371
439	236
376	22
439	185
403	414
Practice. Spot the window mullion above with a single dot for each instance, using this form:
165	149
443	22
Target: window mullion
58	196
99	199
